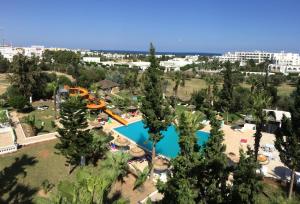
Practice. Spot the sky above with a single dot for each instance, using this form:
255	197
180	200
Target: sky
178	25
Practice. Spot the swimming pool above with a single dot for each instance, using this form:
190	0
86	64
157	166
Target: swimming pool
168	146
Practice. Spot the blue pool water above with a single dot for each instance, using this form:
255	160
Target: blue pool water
168	146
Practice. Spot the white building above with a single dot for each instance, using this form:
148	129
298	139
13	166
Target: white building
142	65
243	57
175	64
285	63
282	62
91	59
9	52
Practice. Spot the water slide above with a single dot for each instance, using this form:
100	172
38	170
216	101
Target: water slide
95	103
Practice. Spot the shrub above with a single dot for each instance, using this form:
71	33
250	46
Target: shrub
47	186
18	102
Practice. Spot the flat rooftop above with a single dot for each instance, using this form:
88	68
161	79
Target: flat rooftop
6	139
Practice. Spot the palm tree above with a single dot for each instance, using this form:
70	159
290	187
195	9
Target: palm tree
179	80
142	177
210	82
32	122
118	163
53	86
260	102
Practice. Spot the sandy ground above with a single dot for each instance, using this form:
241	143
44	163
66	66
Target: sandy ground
232	138
125	189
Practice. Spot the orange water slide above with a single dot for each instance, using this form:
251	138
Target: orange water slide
98	103
116	117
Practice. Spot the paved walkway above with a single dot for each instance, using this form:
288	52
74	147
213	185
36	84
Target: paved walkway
22	139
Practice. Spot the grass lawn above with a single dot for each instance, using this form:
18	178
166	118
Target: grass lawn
45	116
185	92
33	164
45	164
194	84
274	192
4	83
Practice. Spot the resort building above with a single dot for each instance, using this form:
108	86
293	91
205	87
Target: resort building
285	63
9	51
7	137
91	59
281	62
243	57
175	63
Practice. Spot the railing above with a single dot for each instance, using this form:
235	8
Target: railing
8	149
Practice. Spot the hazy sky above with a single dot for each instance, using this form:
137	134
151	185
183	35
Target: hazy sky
185	25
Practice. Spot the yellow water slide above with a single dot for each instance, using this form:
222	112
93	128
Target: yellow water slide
94	103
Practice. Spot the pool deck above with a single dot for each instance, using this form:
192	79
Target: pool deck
232	138
275	168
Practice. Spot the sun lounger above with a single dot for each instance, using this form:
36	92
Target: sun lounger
264	170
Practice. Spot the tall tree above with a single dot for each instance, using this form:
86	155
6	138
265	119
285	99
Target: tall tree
246	184
52	87
4	64
25	74
211	91
260	101
288	138
156	112
181	185
295	109
179	80
288	145
226	93
75	140
212	179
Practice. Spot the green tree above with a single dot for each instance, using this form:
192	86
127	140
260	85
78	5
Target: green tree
260	101
288	144
179	80
213	177
141	177
197	99
156	112
117	162
91	187
226	93
75	140
211	90
25	73
4	64
52	87
32	122
99	146
181	185
246	184
130	79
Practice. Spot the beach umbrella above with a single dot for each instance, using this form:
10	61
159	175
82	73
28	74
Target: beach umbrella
103	116
232	157
137	152
262	159
121	142
132	108
160	164
117	111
